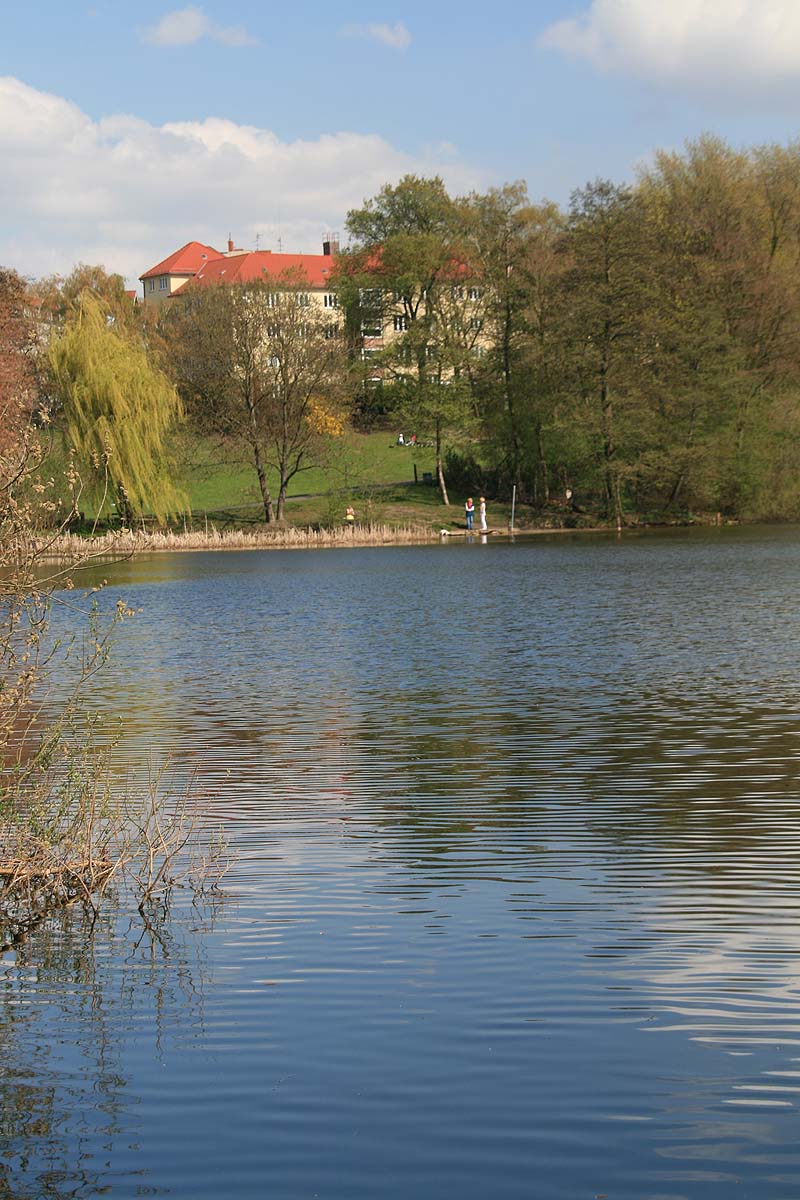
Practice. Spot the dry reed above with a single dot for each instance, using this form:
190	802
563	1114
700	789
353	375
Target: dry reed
141	541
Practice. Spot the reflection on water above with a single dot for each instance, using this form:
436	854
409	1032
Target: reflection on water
75	997
516	905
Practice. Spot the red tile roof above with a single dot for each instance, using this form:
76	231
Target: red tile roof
312	269
186	261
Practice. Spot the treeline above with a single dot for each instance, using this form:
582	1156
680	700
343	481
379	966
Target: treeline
641	347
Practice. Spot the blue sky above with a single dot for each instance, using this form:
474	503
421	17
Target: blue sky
127	130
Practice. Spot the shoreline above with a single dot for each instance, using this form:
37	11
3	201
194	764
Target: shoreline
71	547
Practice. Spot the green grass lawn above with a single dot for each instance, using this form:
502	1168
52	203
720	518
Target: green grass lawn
368	470
215	481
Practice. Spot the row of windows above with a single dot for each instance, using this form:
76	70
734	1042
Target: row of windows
457	292
373	326
305	330
407	356
368	298
302	299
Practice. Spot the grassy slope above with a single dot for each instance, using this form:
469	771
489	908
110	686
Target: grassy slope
368	470
359	464
357	460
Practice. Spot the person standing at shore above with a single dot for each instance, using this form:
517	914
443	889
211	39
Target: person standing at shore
482	511
469	511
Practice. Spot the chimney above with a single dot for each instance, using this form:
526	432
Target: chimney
230	244
330	245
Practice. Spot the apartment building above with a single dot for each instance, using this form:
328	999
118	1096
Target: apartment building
384	315
205	266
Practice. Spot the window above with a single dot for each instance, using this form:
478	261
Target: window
478	351
476	323
400	322
372	327
331	331
273	299
273	331
151	285
331	301
303	299
163	282
457	293
475	293
369	352
370	297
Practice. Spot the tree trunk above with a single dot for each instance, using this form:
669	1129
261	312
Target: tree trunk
612	488
269	514
439	466
682	473
541	477
516	455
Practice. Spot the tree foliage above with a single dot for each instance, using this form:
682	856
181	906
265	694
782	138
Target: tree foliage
642	347
116	408
263	366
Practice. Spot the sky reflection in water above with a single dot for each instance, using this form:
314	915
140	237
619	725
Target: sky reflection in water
516	905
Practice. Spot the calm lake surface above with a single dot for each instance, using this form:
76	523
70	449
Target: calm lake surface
516	911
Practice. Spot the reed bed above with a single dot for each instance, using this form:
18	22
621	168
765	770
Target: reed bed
144	541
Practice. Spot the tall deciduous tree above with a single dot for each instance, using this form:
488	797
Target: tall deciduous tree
735	215
512	246
116	407
262	364
406	277
608	307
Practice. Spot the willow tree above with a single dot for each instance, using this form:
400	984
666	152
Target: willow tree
117	409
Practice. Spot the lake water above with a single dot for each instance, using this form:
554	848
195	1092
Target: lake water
516	910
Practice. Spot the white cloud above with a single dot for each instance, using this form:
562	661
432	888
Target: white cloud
396	36
703	45
125	193
183	26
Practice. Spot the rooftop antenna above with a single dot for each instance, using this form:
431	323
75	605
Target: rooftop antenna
280	244
258	242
